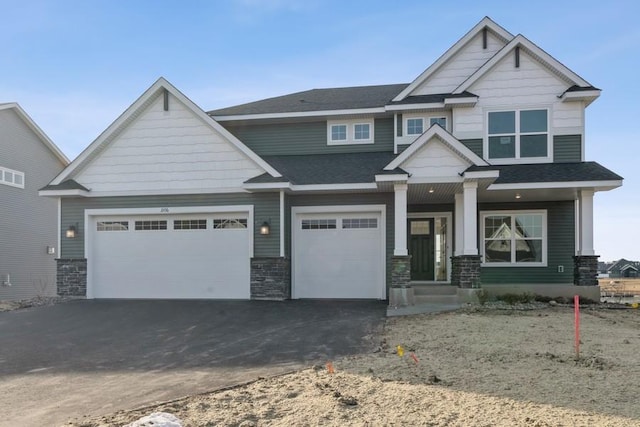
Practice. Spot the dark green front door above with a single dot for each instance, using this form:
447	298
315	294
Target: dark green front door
421	248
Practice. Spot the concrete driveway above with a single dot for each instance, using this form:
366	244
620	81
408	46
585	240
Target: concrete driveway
94	357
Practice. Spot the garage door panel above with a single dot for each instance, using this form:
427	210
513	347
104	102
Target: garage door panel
182	263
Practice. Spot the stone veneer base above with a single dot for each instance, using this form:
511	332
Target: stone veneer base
71	277
270	278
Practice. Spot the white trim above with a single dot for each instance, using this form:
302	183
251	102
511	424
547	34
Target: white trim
400	220
392	177
35	128
424	106
445	137
267	186
482	174
375	110
88	230
535	52
282	223
152	192
435	179
140	104
449	249
470	218
517	134
486	22
381	209
13	172
350	132
331	187
458	101
604	185
59	227
459	223
395	133
60	193
511	213
585	200
580	95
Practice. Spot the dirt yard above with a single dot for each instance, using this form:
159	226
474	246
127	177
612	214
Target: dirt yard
631	286
474	367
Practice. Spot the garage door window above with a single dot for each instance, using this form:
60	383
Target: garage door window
318	224
190	224
231	223
360	223
113	225
150	225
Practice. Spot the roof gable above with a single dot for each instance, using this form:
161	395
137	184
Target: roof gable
496	38
36	129
151	102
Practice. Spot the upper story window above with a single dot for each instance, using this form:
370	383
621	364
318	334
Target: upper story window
442	121
518	134
11	177
345	132
416	125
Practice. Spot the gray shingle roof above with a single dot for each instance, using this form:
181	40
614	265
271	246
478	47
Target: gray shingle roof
69	184
318	100
550	172
349	168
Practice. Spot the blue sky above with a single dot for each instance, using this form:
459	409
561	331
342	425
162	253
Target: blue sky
74	66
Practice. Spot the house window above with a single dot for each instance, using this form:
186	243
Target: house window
229	223
11	177
415	126
190	224
150	225
113	225
518	134
514	238
344	132
318	224
361	131
338	132
442	121
360	223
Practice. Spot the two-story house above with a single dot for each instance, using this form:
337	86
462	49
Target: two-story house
472	174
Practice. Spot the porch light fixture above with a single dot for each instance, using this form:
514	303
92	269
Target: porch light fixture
265	229
431	190
518	195
71	231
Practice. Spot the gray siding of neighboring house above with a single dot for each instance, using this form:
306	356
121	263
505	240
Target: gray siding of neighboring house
560	247
345	199
474	145
266	208
28	223
307	138
567	148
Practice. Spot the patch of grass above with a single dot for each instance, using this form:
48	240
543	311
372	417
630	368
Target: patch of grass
483	296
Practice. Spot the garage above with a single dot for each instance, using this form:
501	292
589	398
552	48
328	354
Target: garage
186	255
338	252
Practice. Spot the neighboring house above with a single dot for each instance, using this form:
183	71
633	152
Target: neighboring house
624	268
28	223
472	174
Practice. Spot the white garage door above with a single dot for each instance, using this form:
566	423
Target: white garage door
178	256
338	255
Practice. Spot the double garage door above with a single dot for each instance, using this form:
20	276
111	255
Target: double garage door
170	256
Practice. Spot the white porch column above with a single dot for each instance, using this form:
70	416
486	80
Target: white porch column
459	224
470	207
585	213
400	192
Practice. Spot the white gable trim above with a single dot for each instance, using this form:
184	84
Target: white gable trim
486	22
538	54
36	129
444	136
134	110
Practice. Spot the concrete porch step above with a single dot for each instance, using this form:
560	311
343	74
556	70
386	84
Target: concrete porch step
430	289
437	299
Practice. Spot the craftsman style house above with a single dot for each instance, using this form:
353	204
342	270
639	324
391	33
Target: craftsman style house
471	175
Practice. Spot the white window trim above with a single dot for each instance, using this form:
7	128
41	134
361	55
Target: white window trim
351	132
517	133
14	172
426	122
545	240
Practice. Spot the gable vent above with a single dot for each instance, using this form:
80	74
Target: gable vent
484	38
166	100
517	56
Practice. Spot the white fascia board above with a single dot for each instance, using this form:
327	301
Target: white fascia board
426	106
435	180
165	192
482	174
358	111
267	186
520	40
36	129
485	22
62	193
444	136
334	187
596	185
162	210
582	95
130	113
392	177
469	100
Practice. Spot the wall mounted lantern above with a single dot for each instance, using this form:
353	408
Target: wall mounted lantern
71	231
265	229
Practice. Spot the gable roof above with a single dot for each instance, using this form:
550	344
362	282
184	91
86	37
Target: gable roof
360	97
36	129
131	113
449	140
486	22
622	263
537	53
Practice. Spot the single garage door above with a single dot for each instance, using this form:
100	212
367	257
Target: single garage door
178	256
338	254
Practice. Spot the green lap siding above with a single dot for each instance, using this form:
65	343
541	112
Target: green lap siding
307	138
560	247
567	148
474	145
266	208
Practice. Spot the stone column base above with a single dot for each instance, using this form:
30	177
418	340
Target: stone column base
401	293
465	271
71	277
270	278
585	270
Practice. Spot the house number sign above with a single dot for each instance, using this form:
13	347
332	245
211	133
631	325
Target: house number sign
164	210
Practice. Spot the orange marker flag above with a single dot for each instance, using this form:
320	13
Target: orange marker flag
330	367
415	359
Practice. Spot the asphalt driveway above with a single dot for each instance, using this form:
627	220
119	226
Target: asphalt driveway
97	356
